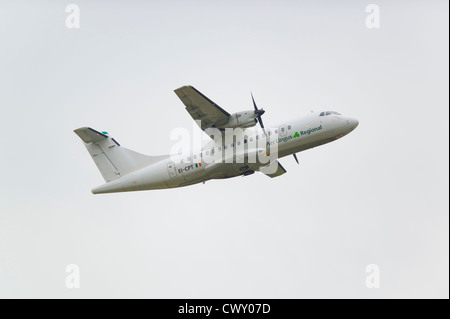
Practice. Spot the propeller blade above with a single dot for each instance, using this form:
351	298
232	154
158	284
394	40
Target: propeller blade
254	103
261	122
296	159
262	125
258	113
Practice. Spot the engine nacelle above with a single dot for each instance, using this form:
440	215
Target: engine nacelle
241	119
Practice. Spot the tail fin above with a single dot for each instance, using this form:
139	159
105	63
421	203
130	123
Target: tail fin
112	160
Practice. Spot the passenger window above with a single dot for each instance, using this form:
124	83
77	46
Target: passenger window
289	127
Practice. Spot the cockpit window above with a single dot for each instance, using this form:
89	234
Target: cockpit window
329	113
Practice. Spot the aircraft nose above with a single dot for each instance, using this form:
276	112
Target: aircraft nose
353	123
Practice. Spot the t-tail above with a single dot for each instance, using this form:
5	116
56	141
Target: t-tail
112	160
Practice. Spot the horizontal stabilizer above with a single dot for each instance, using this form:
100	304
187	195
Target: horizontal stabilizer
89	135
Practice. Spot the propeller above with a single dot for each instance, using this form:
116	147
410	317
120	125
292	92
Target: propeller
296	159
258	114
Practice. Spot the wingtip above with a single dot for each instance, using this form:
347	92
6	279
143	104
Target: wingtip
184	87
80	129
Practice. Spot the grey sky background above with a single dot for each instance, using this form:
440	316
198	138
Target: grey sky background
378	196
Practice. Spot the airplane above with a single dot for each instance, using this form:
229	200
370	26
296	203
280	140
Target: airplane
125	170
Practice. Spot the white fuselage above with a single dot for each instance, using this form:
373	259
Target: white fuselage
291	137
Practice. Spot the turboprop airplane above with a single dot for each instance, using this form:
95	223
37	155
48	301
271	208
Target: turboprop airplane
251	149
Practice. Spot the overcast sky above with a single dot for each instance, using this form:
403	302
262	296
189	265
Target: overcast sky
377	196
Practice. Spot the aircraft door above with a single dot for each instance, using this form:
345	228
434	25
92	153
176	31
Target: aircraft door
172	170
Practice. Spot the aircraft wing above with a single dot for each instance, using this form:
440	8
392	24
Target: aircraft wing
274	169
201	108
